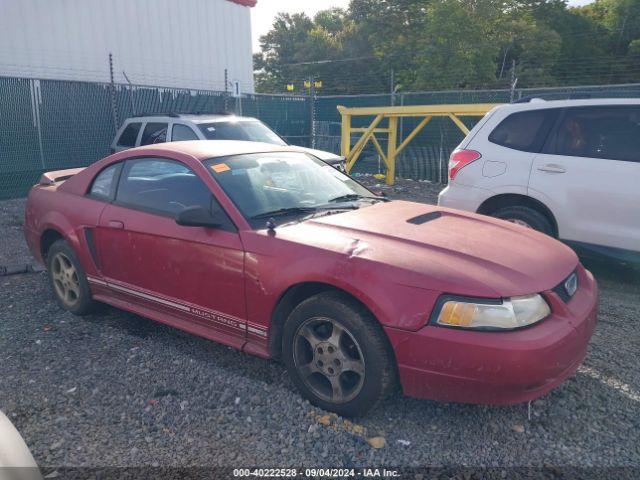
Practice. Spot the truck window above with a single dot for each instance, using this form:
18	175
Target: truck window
154	133
181	132
129	135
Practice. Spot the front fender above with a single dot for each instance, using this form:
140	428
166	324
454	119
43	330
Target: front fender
268	278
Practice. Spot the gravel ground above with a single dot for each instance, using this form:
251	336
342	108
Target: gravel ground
115	389
412	190
14	254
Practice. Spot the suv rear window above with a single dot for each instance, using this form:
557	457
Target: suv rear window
524	131
154	133
129	135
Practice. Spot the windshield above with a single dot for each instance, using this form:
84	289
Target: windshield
247	130
282	184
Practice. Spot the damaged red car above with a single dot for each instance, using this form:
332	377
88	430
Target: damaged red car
269	250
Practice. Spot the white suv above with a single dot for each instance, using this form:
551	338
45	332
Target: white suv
172	127
568	168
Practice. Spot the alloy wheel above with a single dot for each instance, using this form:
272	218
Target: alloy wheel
517	221
65	279
329	360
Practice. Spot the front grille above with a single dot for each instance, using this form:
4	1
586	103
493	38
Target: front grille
561	288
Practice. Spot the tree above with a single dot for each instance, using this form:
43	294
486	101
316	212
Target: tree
443	44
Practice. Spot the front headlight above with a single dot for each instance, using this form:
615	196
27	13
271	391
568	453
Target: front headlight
510	313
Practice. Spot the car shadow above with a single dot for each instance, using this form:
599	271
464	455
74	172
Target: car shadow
192	346
612	270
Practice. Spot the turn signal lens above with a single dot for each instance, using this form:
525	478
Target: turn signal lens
512	313
460	159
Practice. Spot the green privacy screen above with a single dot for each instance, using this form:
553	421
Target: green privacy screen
52	125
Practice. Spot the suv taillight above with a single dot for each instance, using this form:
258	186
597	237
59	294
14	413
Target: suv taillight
460	159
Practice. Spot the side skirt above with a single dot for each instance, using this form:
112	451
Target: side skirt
203	322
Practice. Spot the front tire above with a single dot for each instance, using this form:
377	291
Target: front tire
337	354
526	217
68	279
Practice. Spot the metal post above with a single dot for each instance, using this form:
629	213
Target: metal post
514	80
392	147
312	109
134	110
345	146
392	86
441	155
36	102
114	105
226	90
401	121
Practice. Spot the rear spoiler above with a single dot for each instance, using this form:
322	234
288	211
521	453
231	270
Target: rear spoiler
51	178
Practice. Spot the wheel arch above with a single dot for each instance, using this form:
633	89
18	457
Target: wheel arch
49	236
291	298
512	199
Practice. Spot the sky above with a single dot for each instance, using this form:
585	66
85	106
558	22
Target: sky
264	12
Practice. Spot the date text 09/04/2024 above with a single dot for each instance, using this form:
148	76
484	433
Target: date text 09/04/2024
315	472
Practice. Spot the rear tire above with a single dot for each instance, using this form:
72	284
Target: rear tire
68	280
526	217
337	354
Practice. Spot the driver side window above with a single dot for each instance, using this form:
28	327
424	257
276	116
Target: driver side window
163	187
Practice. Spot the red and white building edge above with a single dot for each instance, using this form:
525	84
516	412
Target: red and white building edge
187	44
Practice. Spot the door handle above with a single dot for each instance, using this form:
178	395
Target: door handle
552	168
116	224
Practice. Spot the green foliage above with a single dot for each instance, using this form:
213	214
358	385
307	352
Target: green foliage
445	44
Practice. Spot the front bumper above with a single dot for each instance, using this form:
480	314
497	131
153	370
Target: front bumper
499	368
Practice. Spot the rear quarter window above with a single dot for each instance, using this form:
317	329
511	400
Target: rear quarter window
129	135
104	184
525	131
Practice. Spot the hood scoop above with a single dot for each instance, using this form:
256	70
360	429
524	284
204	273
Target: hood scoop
427	217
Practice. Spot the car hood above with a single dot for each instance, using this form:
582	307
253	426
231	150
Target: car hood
328	157
442	249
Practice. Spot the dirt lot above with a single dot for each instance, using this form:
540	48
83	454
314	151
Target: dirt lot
115	389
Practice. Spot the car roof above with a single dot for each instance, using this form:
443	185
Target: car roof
206	149
192	117
538	103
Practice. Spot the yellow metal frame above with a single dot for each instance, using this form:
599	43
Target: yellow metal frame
392	114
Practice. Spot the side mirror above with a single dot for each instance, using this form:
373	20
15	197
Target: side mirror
196	217
380	193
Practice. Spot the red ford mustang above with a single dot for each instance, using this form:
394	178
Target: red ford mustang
271	251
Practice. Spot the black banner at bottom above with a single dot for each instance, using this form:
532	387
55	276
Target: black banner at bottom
400	473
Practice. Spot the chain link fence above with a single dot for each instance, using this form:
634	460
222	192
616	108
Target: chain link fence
426	157
51	124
